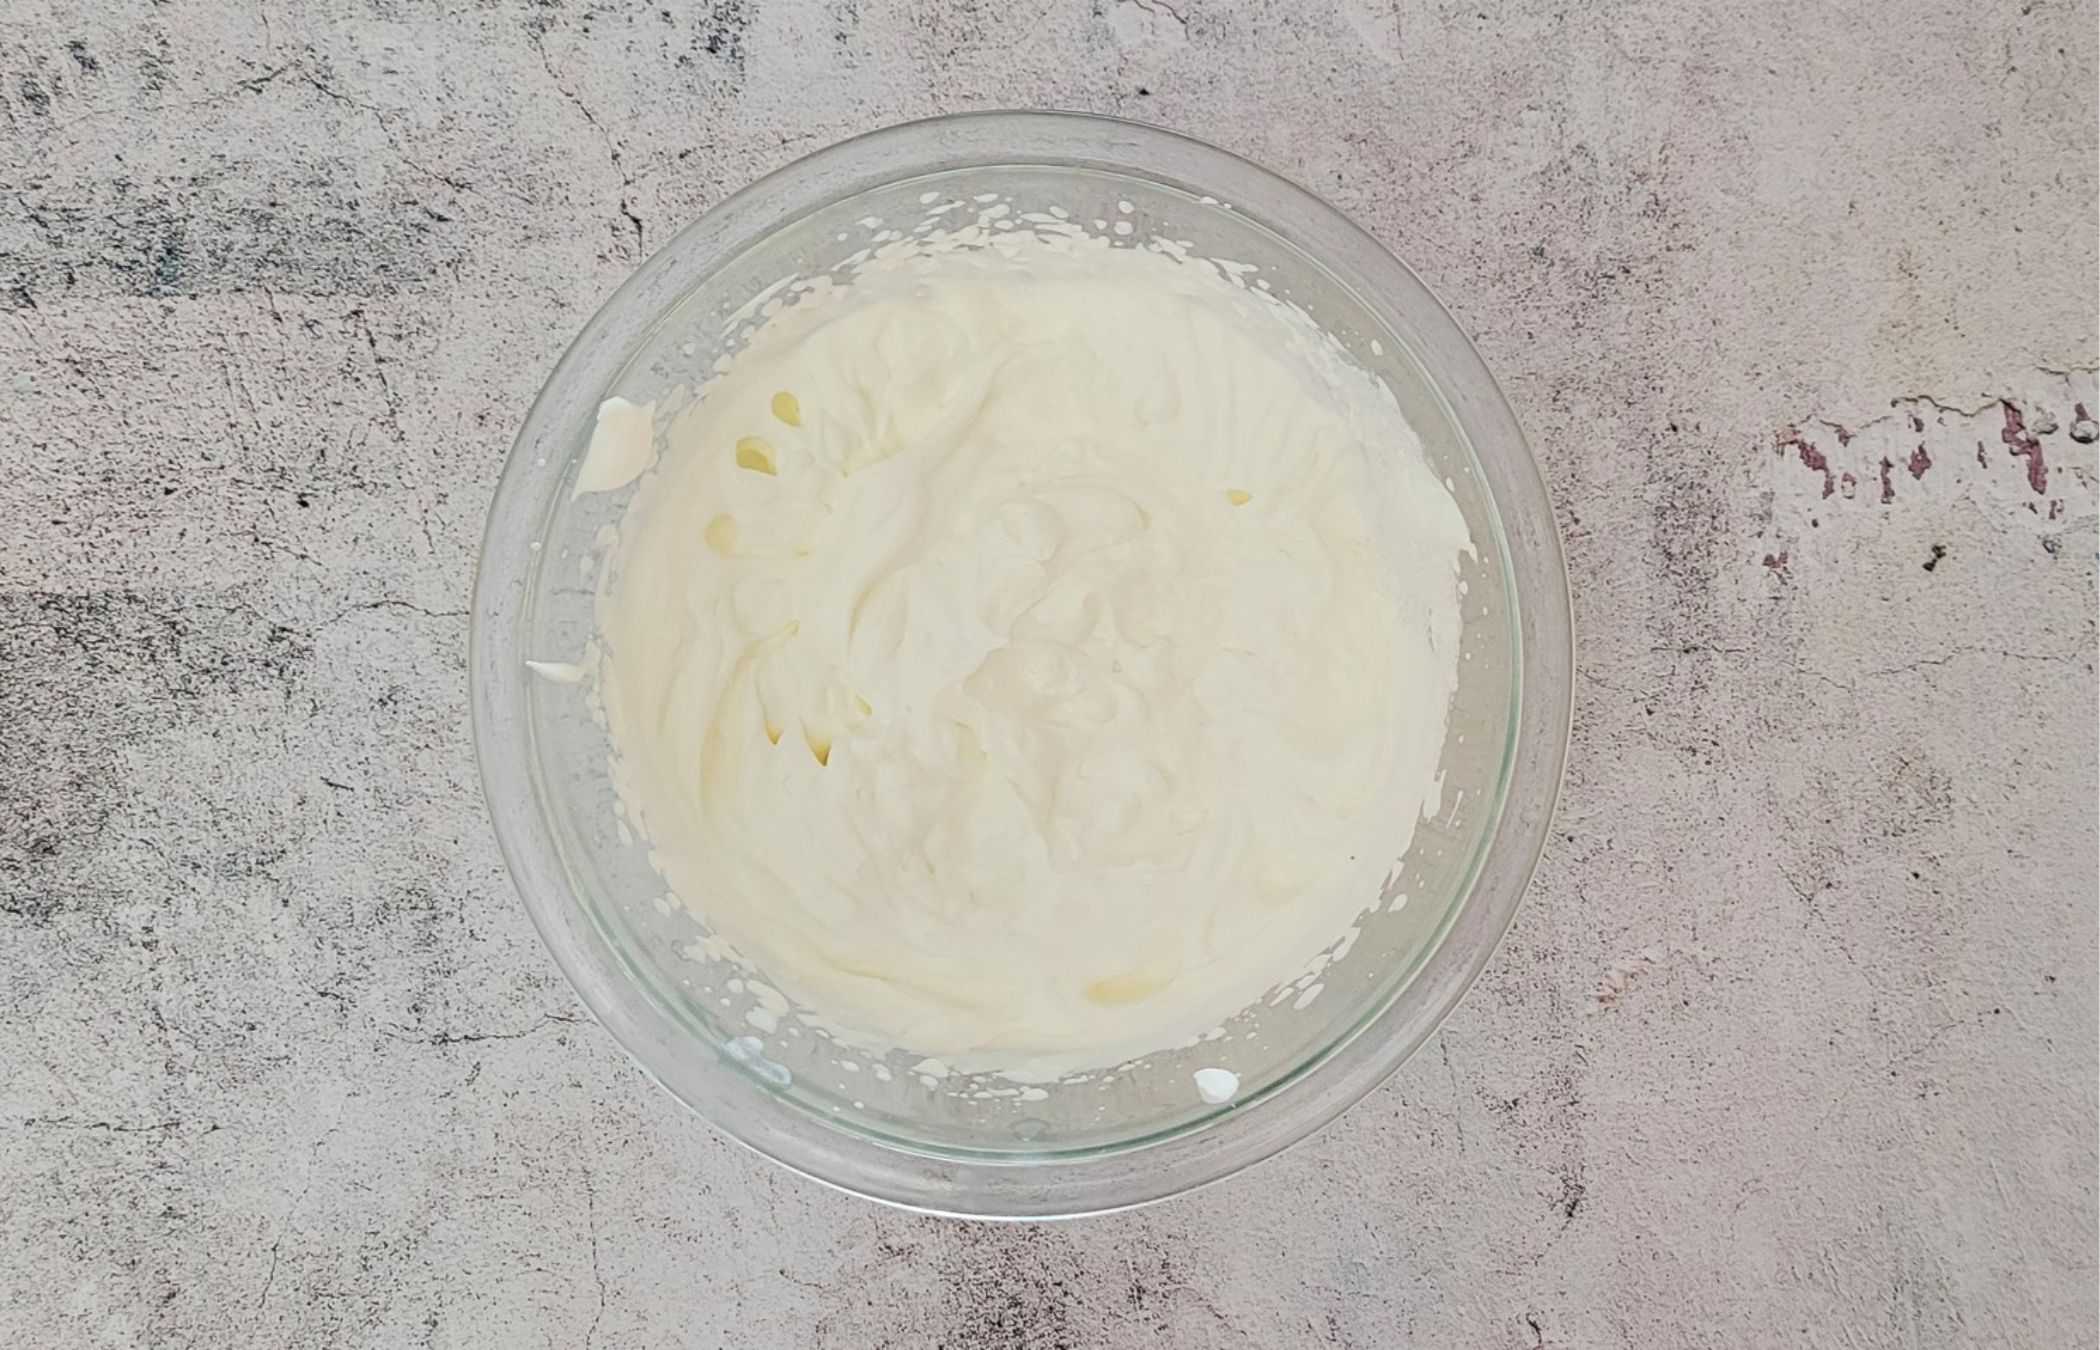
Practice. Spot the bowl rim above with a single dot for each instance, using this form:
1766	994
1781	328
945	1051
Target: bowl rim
1313	1093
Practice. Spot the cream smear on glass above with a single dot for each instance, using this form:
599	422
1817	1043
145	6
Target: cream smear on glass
1029	651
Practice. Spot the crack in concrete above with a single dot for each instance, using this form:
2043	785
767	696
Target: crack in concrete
386	386
590	1196
1909	667
1822	921
251	84
291	1212
613	149
1159	7
391	603
109	1126
379	117
445	1038
1458	1115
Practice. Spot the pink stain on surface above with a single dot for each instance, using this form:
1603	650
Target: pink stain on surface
1888	485
1811	457
2022	442
1777	562
1919	461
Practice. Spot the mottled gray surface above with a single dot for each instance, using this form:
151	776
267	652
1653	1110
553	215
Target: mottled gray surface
1795	1041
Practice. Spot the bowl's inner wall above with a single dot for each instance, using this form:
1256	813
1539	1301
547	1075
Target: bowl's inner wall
1266	1045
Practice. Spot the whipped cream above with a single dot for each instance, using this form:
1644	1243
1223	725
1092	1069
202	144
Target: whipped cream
1031	652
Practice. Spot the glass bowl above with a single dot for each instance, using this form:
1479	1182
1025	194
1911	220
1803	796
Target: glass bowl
871	1124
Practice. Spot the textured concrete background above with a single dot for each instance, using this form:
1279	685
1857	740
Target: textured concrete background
1795	1042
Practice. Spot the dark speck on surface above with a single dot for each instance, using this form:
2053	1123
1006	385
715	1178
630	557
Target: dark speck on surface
724	27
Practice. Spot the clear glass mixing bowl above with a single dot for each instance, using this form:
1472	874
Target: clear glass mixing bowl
873	1126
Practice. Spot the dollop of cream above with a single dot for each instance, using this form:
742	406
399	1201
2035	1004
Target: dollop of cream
1027	656
620	446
